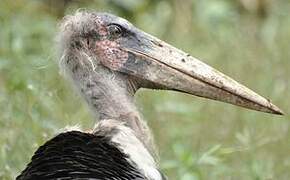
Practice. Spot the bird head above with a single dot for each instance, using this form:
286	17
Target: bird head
101	41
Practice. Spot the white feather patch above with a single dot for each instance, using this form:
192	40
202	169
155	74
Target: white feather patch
129	144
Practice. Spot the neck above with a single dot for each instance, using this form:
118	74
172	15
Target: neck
110	96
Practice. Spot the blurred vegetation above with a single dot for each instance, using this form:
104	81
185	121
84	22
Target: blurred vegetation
197	138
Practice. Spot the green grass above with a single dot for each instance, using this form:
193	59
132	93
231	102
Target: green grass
197	138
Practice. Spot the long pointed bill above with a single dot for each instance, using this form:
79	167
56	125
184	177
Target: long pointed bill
163	64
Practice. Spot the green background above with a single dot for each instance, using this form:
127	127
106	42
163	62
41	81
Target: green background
248	40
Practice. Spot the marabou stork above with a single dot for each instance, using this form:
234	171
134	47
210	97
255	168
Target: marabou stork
108	60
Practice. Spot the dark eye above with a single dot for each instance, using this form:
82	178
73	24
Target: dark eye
115	30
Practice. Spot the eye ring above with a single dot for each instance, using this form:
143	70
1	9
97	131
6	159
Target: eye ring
115	30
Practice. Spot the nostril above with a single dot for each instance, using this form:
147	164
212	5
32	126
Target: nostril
156	43
88	42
